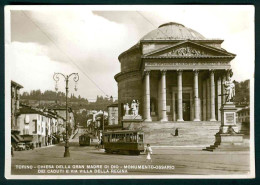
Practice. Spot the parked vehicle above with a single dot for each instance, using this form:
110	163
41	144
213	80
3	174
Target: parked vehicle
20	146
124	142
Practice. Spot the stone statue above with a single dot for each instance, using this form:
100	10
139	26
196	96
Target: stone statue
133	107
137	108
127	108
230	89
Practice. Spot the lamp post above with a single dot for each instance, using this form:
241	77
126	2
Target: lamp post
56	78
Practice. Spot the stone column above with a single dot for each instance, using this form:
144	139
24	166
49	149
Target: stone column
219	98
212	96
147	97
173	107
204	94
208	100
223	99
163	96
180	113
196	96
159	108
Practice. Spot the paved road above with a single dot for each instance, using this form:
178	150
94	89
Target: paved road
186	161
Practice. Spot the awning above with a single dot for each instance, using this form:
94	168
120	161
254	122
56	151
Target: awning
14	138
19	137
53	137
27	138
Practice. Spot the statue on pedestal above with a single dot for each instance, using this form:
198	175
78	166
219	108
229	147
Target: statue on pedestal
137	108
127	108
133	115
133	107
229	89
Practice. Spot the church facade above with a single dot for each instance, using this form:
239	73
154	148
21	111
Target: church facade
176	74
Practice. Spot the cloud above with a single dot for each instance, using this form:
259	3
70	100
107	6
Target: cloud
49	40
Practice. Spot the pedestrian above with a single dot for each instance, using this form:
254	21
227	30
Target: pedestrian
12	151
148	152
101	143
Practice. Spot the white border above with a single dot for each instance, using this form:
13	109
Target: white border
112	8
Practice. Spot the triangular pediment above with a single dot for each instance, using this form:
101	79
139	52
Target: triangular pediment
189	49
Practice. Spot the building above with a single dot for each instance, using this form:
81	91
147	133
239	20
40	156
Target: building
176	74
243	115
61	111
15	105
36	126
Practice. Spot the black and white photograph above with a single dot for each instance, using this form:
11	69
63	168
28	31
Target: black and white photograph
129	92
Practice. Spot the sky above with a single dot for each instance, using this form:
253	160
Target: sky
88	40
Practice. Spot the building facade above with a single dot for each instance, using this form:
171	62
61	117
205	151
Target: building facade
36	126
15	105
243	115
176	73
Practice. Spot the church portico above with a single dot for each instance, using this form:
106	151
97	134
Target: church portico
179	95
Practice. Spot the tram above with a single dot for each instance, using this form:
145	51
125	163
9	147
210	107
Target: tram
88	140
124	142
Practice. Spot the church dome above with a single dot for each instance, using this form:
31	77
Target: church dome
173	31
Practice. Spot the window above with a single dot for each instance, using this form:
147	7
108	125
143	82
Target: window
35	125
140	138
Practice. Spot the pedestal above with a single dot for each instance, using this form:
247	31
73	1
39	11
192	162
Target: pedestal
228	138
132	118
131	122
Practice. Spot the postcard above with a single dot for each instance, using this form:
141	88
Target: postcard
129	92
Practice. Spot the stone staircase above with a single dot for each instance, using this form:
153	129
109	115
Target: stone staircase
189	133
235	146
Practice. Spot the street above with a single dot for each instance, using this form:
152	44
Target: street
165	161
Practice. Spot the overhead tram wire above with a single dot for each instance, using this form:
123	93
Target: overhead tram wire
70	59
151	23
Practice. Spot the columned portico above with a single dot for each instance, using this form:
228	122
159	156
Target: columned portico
179	100
180	113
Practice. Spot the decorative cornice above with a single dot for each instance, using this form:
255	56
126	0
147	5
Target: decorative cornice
126	73
163	71
147	72
200	56
196	71
179	71
226	54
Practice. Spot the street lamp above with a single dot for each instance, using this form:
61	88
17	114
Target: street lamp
66	77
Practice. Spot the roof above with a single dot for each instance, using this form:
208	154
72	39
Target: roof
88	135
244	110
173	31
13	83
29	110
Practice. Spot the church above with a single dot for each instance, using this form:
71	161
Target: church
176	73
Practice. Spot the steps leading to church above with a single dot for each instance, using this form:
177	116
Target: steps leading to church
190	133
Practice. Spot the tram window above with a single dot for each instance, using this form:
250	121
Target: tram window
135	137
140	138
127	138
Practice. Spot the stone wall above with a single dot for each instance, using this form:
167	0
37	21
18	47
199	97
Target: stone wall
131	61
